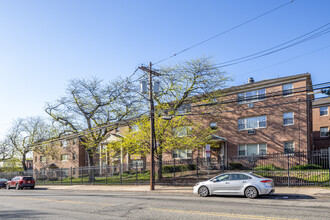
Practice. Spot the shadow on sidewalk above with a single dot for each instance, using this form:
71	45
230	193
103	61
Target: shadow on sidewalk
278	196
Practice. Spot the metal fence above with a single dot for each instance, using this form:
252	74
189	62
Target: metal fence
293	169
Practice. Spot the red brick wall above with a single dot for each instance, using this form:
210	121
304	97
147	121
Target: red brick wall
318	122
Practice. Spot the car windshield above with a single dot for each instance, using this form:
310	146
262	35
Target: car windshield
256	175
27	178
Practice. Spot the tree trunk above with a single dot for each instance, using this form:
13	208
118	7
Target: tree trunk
24	162
91	167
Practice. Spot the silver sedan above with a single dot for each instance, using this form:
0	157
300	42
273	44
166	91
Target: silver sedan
248	184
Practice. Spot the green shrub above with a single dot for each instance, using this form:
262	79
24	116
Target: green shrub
270	167
178	168
235	166
306	167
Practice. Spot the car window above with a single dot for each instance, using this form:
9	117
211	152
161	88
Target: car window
239	177
224	177
256	175
28	178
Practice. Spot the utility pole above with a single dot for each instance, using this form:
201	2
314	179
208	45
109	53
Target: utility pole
152	124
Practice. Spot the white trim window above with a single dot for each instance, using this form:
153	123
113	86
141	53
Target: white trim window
64	144
182	154
64	157
43	159
324	132
252	122
252	149
288	147
324	111
251	96
182	131
186	108
136	163
288	118
287	89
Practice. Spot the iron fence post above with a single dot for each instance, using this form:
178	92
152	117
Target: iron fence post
61	176
197	169
288	170
329	163
82	181
44	176
106	175
120	174
136	173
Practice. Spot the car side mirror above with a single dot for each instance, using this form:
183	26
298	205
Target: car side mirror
215	180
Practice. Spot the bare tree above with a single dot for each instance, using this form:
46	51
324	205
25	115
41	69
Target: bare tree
6	152
24	134
90	105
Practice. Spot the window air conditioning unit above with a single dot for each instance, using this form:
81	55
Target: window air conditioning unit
252	131
250	105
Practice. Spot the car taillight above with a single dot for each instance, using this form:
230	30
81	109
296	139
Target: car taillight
265	181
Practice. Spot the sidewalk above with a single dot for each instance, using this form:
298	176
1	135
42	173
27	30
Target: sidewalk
292	191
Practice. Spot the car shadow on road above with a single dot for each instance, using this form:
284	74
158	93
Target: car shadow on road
6	214
274	197
287	197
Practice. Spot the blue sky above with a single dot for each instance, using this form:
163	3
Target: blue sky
43	44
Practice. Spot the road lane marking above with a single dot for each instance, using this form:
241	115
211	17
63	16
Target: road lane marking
59	201
230	215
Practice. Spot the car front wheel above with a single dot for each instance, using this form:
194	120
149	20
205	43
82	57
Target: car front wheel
17	187
251	192
203	191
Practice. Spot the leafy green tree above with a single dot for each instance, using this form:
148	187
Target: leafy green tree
183	84
90	105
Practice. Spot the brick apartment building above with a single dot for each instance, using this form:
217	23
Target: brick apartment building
321	123
269	116
59	154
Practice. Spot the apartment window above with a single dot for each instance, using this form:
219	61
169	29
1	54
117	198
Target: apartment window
324	132
252	122
135	128
288	118
64	144
64	157
251	96
136	163
252	149
288	147
323	111
213	125
287	89
182	154
184	109
182	131
74	156
43	159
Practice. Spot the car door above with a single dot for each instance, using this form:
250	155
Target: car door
237	182
220	184
12	182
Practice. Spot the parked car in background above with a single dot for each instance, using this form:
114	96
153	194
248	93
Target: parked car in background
3	183
20	182
248	184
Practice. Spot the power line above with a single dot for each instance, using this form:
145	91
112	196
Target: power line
224	32
285	61
276	48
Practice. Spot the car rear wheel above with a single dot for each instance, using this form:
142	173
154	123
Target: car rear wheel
251	192
7	187
203	191
17	187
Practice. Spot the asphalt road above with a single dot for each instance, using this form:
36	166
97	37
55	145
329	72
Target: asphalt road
65	204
